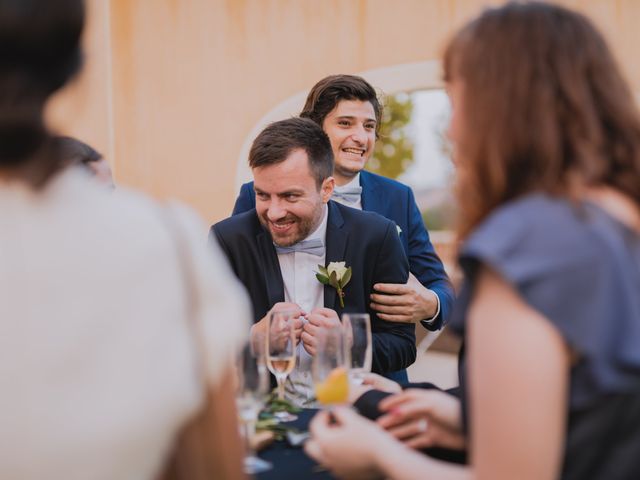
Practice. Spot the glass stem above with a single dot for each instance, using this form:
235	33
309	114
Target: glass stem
249	431
280	379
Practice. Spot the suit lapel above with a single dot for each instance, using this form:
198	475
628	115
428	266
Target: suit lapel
336	244
371	201
271	269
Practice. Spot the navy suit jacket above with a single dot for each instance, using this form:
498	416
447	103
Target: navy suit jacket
367	242
394	201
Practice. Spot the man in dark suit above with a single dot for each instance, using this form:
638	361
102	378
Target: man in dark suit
348	110
292	163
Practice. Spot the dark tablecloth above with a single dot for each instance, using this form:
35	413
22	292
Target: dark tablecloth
291	463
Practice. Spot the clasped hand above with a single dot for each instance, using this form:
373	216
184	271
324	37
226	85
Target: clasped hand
423	418
306	326
318	320
297	321
408	303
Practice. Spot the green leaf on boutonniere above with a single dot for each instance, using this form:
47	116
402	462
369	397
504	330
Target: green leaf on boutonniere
322	275
333	280
346	278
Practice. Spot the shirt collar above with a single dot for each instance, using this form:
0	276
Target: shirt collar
355	182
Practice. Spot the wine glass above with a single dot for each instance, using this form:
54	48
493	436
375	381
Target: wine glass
281	353
253	388
357	327
329	367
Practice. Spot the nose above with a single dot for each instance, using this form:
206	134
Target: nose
276	210
359	135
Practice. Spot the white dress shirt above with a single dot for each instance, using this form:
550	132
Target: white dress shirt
303	288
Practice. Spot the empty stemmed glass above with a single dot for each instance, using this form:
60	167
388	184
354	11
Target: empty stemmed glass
253	388
329	367
357	328
281	353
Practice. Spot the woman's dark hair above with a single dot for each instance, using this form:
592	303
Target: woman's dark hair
545	108
39	52
73	151
328	92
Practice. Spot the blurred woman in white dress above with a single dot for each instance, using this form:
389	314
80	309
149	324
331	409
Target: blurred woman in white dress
111	306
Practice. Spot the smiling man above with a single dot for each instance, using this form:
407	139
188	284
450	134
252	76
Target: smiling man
276	247
348	110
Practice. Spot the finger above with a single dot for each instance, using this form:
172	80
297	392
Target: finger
390	299
320	321
343	415
409	429
393	420
392	310
283	306
319	423
436	436
409	409
311	329
419	441
315	319
307	339
325	312
297	322
309	346
312	448
392	401
324	320
369	378
392	288
396	318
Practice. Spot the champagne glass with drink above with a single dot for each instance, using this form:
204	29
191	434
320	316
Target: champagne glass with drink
281	353
357	328
252	391
329	367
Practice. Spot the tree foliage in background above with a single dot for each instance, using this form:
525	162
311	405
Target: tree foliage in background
394	149
440	217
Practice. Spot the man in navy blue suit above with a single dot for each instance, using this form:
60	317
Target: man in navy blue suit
348	110
276	247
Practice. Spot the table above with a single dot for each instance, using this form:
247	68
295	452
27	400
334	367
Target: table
291	462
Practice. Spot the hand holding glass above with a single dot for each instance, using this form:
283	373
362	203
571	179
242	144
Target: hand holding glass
281	353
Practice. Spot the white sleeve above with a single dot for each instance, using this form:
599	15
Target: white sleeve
224	310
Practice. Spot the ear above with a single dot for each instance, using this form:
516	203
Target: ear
326	190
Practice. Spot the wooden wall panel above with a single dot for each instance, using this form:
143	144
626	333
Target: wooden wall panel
173	87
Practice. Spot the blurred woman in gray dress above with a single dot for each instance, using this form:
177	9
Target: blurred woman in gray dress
547	138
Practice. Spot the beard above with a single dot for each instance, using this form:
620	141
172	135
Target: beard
301	227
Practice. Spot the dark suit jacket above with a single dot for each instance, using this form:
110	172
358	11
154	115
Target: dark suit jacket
367	242
394	201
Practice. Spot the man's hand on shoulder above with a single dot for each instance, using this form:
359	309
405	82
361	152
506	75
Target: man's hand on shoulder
318	320
408	303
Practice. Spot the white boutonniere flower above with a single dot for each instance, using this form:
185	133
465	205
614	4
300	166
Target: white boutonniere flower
399	230
337	275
